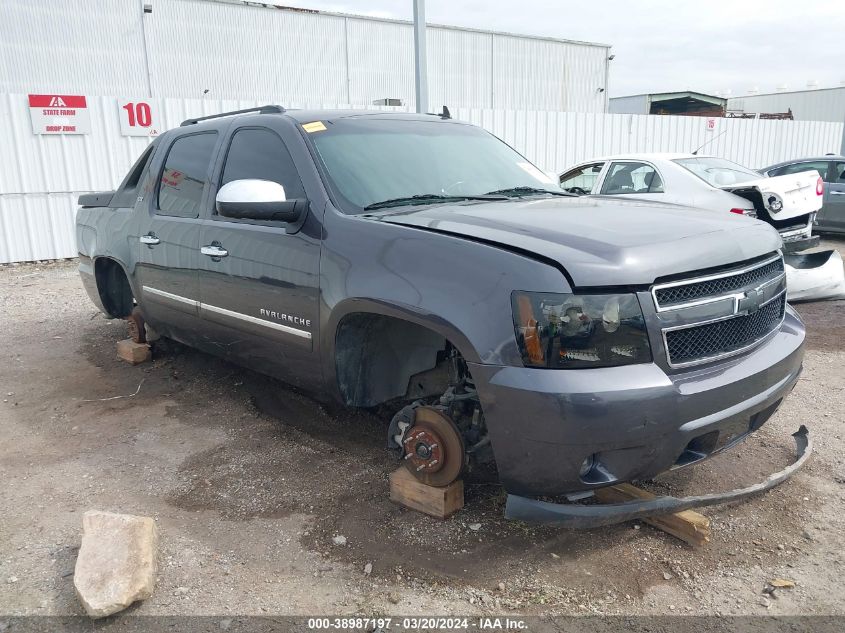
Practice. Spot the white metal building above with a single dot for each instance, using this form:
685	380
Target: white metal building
236	49
826	104
684	102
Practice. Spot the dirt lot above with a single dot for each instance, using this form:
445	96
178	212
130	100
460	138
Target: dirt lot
249	483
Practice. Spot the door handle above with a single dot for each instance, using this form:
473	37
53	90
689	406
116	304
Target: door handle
214	250
837	193
149	239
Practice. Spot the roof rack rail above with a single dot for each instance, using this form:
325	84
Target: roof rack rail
266	109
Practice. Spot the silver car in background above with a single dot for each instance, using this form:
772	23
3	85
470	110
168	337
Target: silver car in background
789	202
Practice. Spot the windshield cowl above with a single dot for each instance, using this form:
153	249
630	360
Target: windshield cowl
427	198
529	191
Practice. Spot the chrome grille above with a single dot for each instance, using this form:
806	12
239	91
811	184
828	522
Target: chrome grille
715	315
673	295
724	337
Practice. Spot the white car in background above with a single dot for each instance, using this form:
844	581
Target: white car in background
789	203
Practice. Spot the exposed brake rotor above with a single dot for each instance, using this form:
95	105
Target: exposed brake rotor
433	448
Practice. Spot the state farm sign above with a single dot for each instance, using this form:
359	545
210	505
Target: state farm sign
59	114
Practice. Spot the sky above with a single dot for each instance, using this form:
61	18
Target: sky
711	46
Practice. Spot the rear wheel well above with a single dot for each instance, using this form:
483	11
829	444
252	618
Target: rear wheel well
376	356
113	287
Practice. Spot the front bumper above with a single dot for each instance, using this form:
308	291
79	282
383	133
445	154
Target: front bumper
633	422
590	516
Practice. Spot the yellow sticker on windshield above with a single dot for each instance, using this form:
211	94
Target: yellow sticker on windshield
315	126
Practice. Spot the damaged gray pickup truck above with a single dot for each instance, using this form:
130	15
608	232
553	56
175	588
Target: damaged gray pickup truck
419	263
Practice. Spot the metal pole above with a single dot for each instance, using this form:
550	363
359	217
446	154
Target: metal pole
842	148
346	55
146	47
420	72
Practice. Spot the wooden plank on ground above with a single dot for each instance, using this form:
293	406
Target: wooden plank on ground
133	352
406	490
688	525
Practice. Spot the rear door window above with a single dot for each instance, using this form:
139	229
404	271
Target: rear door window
185	172
624	178
581	179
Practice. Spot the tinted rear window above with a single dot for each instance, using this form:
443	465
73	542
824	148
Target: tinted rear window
797	168
718	172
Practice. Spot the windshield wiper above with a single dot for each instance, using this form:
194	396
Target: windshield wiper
424	198
527	191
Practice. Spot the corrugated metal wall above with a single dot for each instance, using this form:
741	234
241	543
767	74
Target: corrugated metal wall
235	51
41	176
245	52
71	47
806	105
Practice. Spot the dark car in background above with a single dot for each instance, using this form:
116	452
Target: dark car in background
831	217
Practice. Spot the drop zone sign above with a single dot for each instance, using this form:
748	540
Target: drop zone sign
59	114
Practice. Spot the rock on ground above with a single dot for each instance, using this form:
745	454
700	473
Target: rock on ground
117	562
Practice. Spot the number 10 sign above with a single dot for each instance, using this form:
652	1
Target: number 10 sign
138	118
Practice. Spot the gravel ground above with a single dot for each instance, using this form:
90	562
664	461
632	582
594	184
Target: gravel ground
249	483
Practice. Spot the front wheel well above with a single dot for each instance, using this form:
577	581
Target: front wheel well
376	356
113	287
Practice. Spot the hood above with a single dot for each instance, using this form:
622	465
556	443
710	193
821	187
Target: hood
603	241
793	194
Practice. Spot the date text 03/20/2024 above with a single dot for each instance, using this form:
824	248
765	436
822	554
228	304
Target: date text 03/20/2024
416	623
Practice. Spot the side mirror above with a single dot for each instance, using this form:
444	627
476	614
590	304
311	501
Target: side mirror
254	199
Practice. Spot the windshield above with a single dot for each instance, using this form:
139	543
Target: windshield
718	172
373	160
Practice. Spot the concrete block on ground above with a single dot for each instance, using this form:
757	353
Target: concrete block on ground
133	352
116	565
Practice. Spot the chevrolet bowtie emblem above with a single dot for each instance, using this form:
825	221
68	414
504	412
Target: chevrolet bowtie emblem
749	303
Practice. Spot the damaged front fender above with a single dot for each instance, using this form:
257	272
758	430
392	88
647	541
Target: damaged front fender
590	516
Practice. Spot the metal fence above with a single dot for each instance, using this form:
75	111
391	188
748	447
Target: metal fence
41	176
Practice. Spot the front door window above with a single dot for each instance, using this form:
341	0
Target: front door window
626	178
581	179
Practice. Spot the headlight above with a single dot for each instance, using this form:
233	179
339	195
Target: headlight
562	331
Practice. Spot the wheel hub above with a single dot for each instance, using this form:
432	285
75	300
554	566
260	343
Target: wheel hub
433	448
423	450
